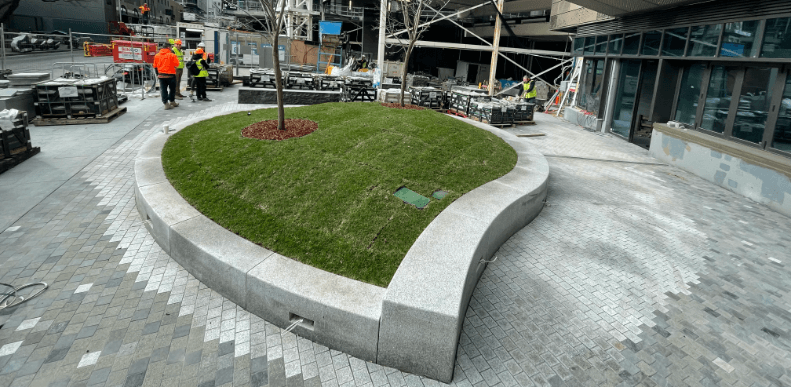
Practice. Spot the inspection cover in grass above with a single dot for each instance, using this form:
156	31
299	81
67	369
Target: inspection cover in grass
439	194
412	197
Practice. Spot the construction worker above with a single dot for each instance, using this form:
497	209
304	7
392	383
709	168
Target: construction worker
165	63
363	63
144	11
202	47
180	69
200	79
529	87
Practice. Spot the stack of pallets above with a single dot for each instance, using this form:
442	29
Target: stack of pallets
15	145
70	101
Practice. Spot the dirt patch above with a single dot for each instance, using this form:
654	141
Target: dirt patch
267	130
405	107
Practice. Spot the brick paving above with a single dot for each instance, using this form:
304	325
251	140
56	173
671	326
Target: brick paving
635	273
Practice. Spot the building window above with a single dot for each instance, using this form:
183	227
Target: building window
738	40
601	44
590	42
579	43
754	103
718	98
777	38
675	41
651	41
590	92
782	135
703	40
689	93
616	42
631	44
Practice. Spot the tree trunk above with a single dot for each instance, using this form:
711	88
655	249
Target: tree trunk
281	115
404	70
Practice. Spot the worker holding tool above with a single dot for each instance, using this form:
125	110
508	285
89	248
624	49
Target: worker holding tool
165	63
199	80
180	68
529	87
144	11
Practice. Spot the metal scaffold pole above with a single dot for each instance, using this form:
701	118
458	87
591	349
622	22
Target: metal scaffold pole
2	45
71	46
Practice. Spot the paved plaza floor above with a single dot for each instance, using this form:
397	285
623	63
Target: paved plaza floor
634	273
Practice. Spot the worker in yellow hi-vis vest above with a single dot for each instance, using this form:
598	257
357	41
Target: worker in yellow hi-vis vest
529	87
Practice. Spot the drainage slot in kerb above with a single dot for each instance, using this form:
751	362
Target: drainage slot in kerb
297	320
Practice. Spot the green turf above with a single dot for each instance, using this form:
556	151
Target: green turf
327	199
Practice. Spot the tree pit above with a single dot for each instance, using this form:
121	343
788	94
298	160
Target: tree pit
267	130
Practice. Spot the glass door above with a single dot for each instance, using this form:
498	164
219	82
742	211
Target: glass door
623	110
641	135
718	98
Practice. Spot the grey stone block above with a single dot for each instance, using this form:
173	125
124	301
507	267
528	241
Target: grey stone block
148	171
152	148
290	97
216	256
163	207
344	312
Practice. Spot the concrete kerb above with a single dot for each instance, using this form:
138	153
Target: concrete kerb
414	324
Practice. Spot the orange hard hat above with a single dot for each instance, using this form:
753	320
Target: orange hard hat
178	41
199	51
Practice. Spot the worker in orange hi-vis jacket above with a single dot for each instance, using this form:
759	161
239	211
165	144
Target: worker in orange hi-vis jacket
144	11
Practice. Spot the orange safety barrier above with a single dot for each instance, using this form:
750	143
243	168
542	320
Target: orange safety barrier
97	49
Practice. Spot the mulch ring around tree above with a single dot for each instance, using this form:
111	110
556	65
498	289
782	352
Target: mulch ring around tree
405	107
267	130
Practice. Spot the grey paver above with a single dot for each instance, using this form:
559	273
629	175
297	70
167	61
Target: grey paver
634	273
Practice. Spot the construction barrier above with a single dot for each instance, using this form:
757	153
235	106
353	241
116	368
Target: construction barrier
125	51
97	49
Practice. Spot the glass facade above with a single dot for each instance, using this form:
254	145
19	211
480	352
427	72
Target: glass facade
631	44
601	44
590	92
651	41
675	42
782	134
738	39
703	40
718	98
689	93
754	103
777	38
616	42
732	69
625	97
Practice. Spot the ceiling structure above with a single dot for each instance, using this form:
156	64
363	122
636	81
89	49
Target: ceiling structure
618	8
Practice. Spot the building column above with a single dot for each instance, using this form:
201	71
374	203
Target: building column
380	55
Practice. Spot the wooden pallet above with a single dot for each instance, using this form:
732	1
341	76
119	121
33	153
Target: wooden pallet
524	122
506	125
457	113
41	121
14	160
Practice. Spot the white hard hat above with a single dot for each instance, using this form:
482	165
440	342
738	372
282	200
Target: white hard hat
201	44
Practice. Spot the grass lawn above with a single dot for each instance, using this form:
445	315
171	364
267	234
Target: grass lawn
326	199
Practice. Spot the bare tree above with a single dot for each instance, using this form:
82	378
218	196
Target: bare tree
413	19
272	26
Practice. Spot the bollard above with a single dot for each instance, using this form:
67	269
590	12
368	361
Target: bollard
165	129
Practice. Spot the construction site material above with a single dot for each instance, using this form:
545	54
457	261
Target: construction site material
4	84
27	79
97	49
15	144
355	93
18	98
461	98
493	112
249	95
73	98
300	80
125	51
393	95
261	77
328	82
105	118
429	97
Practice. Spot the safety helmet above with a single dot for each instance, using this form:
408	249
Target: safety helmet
201	44
178	42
